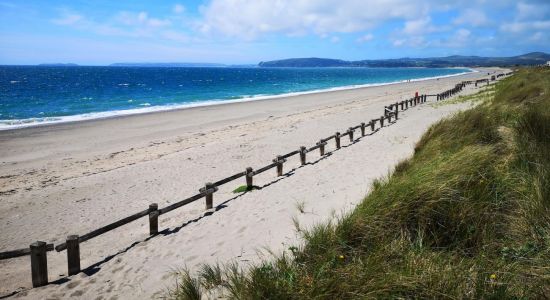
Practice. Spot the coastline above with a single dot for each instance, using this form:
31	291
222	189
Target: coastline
71	178
33	122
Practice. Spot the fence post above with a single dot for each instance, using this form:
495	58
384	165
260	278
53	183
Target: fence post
279	162
248	175
363	129
382	121
153	219
350	130
372	125
401	103
396	112
39	264
73	254
337	139
209	195
321	147
303	151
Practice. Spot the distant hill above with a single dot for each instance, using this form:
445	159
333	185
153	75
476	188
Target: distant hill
179	65
534	58
58	65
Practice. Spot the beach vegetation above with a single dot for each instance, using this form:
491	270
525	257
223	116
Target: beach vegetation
301	206
244	188
468	216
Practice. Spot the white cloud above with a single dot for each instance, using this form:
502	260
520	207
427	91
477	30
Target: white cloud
178	9
518	26
527	11
414	42
419	26
461	38
68	19
399	42
334	39
365	38
250	19
125	24
472	17
140	19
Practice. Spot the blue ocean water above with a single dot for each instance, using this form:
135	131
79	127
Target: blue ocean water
40	94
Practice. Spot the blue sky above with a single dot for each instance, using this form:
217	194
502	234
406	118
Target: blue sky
238	31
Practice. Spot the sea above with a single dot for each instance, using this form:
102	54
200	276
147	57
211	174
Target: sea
35	95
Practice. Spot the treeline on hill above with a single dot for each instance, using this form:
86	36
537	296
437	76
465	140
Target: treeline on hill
468	216
534	58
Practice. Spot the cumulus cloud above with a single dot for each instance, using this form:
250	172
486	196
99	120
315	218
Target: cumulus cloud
472	17
419	27
178	9
365	38
249	19
518	26
124	23
68	19
140	19
529	11
529	16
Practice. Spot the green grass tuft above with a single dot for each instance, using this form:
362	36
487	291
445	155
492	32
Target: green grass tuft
244	188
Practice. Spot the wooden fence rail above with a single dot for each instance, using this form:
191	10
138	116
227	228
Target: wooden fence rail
38	250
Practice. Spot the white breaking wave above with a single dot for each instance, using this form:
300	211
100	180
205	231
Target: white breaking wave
30	122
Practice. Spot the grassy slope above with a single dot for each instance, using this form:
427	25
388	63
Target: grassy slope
467	217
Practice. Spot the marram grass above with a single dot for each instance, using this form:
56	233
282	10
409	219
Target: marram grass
468	216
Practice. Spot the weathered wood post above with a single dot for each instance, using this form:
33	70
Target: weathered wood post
303	151
363	129
322	147
337	139
350	131
249	173
153	219
401	103
279	160
396	112
372	125
39	264
389	117
73	254
208	190
382	121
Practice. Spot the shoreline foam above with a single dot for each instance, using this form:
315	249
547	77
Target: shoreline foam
35	122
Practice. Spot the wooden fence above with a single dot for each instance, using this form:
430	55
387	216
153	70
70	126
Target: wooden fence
38	250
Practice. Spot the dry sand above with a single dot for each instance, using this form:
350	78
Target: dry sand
72	178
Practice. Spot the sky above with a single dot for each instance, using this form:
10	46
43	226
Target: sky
99	32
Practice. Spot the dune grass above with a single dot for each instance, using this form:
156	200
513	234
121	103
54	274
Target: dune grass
468	216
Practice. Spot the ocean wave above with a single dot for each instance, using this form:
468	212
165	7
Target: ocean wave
30	122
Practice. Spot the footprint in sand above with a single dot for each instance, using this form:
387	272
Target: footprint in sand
74	283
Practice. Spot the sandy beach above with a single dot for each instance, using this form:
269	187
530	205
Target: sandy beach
71	178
